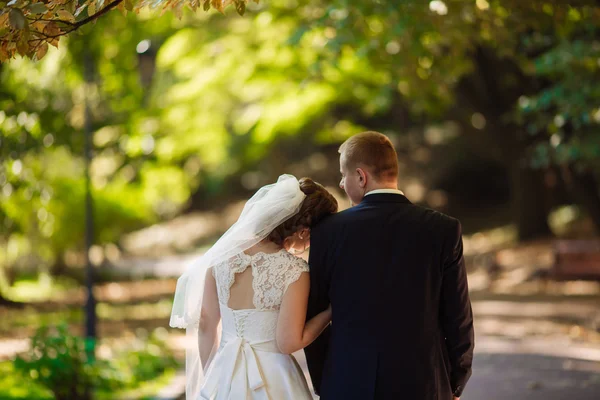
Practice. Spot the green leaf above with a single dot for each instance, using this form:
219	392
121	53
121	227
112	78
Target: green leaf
129	5
206	5
37	8
16	18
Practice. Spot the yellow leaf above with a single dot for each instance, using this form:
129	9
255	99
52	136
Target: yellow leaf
41	51
4	55
92	8
217	5
22	47
4	20
66	16
121	7
54	31
178	12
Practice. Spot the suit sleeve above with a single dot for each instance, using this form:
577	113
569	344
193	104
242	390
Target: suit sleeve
456	313
318	301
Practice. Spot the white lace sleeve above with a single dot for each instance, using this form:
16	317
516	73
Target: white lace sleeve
296	269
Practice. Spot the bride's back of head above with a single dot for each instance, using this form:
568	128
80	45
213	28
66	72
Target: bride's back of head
318	204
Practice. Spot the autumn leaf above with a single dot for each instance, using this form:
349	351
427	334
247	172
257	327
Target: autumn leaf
3	20
53	32
16	18
39	26
37	8
23	45
41	51
92	7
218	5
240	7
65	15
61	17
3	52
121	7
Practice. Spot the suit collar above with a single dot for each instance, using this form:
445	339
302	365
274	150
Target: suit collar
379	191
385	198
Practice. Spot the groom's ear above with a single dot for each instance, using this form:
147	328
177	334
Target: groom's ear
362	177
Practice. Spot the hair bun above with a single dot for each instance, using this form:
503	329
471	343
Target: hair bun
317	204
308	186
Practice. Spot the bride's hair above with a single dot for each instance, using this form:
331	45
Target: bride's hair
318	204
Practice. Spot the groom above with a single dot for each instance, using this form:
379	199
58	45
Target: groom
395	276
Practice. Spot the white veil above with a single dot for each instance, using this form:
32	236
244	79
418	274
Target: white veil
268	208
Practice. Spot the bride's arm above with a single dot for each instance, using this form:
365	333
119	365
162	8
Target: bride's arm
210	315
293	332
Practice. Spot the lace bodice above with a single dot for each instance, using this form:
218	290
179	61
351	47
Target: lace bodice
249	363
272	273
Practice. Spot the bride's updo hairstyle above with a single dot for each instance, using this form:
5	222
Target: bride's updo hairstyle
318	204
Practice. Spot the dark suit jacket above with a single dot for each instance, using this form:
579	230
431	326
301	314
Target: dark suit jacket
402	323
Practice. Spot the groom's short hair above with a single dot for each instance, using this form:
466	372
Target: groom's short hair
374	151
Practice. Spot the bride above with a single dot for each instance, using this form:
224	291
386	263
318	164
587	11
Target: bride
244	301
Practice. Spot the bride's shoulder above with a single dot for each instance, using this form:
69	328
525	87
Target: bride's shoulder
296	261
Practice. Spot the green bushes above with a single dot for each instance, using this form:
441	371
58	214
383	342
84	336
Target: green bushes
58	362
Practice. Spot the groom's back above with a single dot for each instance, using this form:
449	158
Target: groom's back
382	263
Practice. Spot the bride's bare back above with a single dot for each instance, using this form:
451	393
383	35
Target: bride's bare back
241	293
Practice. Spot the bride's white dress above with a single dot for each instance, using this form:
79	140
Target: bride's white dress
248	365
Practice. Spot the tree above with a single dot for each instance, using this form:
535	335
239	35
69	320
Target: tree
28	27
521	78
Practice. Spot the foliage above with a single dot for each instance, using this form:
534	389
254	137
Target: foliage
179	106
14	386
145	361
27	27
529	66
42	171
156	141
57	361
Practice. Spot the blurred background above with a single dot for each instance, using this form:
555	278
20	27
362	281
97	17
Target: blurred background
158	128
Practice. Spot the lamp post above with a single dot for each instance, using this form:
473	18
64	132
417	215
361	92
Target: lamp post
90	306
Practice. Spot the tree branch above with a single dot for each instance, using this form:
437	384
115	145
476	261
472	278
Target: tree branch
106	9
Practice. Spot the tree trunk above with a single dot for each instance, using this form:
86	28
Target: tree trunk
584	188
529	202
485	91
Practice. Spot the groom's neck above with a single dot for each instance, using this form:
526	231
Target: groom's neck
382	185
